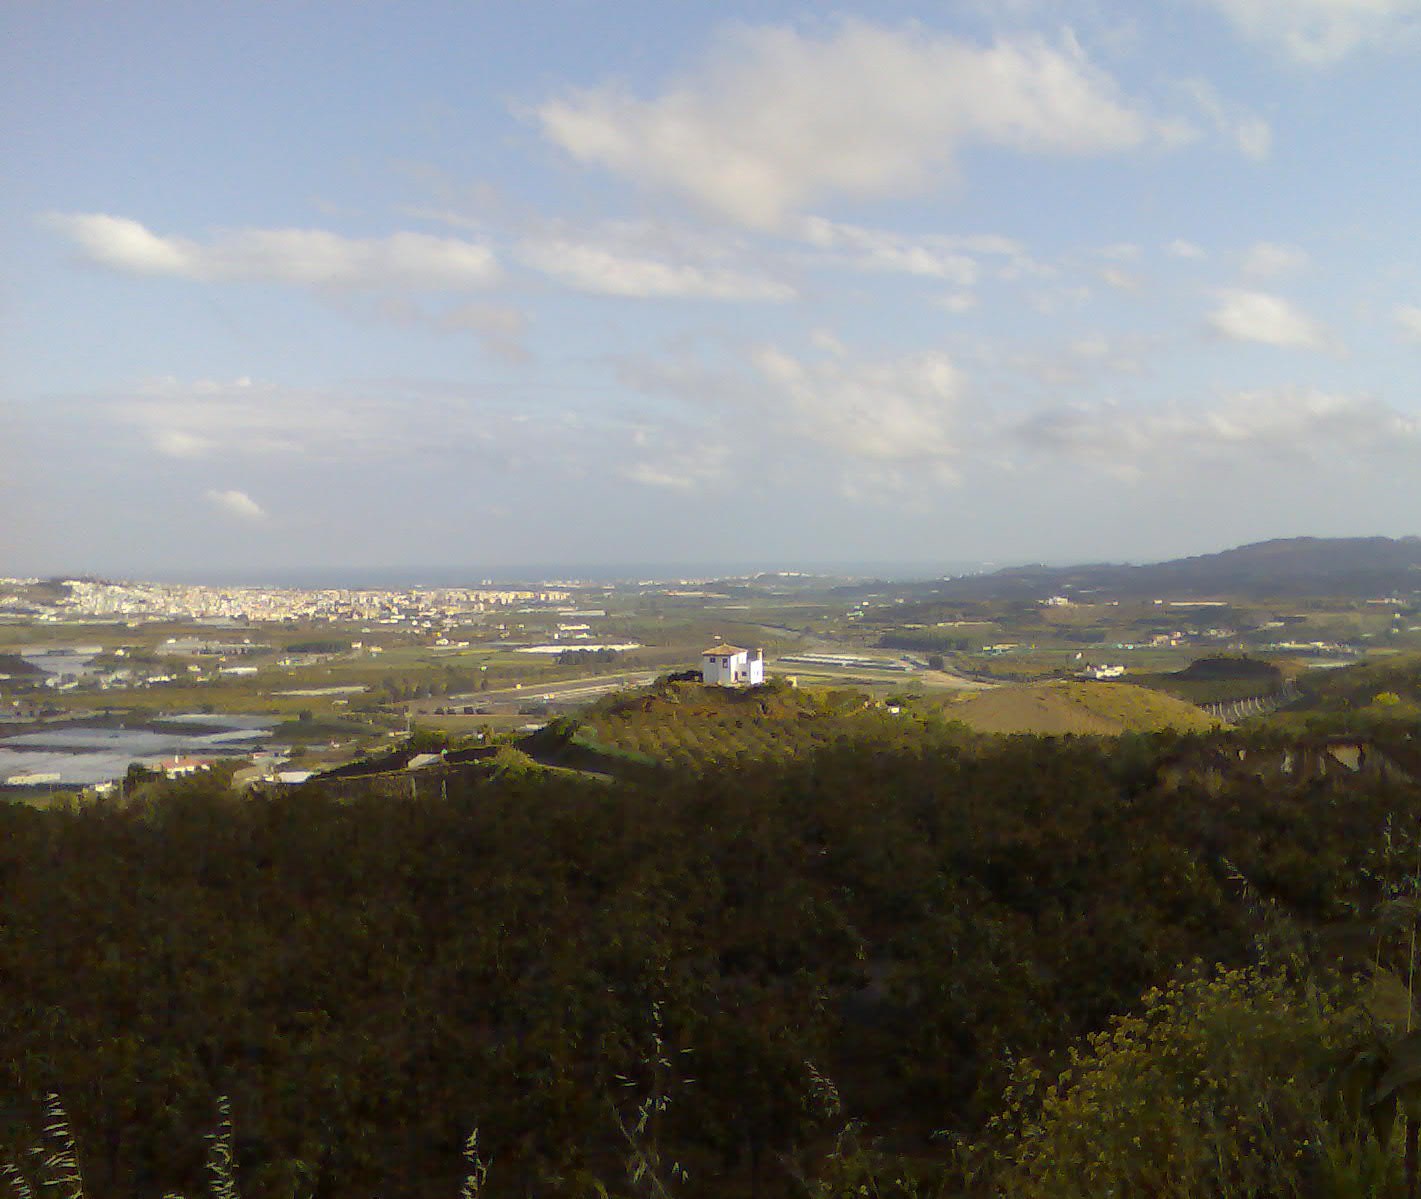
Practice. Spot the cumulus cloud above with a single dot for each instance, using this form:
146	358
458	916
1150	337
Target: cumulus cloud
1319	32
300	257
1120	280
1250	134
1247	427
898	412
236	503
179	443
1267	319
776	118
942	257
1266	259
1408	320
1180	248
603	270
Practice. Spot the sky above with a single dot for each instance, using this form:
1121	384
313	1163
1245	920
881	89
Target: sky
323	286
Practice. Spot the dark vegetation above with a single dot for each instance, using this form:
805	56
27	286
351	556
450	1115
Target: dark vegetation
1217	679
18	667
848	969
586	657
929	641
318	646
1382	696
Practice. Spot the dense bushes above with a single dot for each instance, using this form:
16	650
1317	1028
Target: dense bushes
370	976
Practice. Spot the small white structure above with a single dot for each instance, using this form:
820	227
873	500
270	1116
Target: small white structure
1103	672
730	666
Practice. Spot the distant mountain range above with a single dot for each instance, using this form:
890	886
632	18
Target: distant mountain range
1365	567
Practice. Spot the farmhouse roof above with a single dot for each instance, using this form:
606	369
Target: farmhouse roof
722	650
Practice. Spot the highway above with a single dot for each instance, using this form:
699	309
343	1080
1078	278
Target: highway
567	691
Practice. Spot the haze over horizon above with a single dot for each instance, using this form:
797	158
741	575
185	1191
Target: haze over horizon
333	286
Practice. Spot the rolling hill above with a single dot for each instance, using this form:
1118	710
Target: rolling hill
1065	706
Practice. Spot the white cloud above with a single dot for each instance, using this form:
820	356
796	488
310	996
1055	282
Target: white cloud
933	257
898	412
178	443
1087	360
301	257
602	270
1319	32
1251	135
687	469
957	302
236	503
1408	320
245	418
1052	301
1266	259
1249	427
198	418
1270	320
1118	279
1179	248
500	329
775	119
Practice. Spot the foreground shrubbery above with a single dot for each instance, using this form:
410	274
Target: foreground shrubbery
716	974
1214	1088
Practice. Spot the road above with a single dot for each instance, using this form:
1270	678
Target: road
590	687
568	691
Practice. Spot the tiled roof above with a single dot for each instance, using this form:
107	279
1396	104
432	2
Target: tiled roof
722	650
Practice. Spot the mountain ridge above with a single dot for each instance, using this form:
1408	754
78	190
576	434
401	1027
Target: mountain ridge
1290	566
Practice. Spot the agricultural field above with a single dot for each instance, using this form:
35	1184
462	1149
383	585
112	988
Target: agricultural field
691	726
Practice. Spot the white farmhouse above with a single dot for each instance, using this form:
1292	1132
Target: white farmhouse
1103	672
731	666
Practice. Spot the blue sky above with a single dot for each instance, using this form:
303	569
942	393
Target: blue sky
333	285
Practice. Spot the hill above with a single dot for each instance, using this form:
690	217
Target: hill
1221	678
1064	706
1384	694
691	726
1322	566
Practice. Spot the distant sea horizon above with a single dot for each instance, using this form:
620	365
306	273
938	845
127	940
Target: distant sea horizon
409	577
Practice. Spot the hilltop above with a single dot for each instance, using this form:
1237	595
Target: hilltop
1066	706
1336	566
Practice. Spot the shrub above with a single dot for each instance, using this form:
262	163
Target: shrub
1212	1089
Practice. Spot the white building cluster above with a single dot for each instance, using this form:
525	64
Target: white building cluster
136	602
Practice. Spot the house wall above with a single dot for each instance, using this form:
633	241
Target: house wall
746	669
722	670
